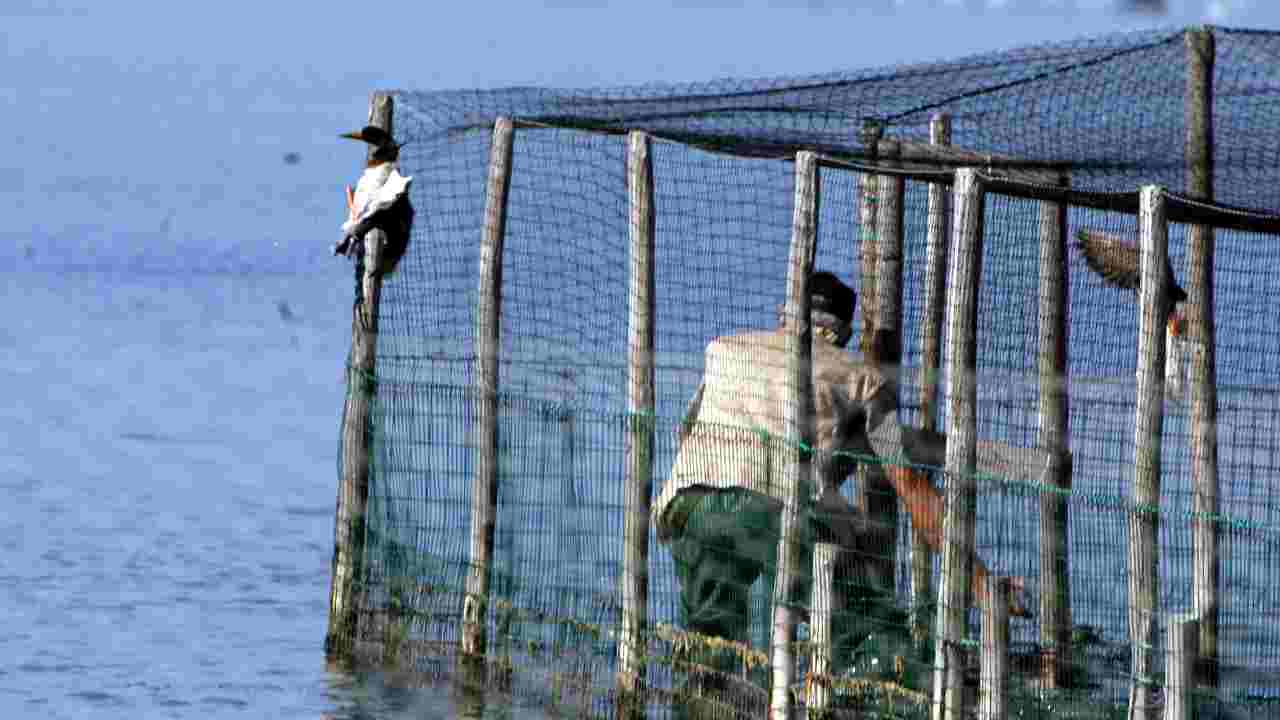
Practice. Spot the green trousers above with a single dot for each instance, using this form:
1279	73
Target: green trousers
730	538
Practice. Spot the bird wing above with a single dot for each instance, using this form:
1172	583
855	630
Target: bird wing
379	188
1114	259
1118	262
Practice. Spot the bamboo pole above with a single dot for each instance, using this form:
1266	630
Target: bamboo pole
1180	664
1144	563
875	494
484	482
935	289
965	264
824	564
1055	577
993	702
797	413
640	407
347	569
1202	339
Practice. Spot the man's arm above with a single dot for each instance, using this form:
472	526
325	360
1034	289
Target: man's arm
926	505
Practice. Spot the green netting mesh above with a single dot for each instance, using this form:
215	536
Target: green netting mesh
1108	112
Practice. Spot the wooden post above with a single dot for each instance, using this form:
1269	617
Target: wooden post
876	496
868	201
965	264
1202	339
640	408
797	413
347	569
824	565
993	702
484	482
1053	438
1144	563
935	289
1180	663
888	302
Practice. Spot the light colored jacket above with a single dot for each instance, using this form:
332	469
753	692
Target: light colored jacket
736	415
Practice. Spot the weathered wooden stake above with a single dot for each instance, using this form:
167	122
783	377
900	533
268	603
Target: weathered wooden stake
640	407
824	565
1055	578
484	483
993	696
965	264
1144	562
347	569
888	303
1180	664
935	289
797	413
868	201
875	494
1202	339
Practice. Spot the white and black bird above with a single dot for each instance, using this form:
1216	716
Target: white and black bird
380	200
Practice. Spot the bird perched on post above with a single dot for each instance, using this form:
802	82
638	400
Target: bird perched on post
1119	263
380	200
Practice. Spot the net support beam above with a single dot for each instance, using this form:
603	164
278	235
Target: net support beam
965	263
875	494
1054	411
818	699
935	288
1183	648
993	691
347	569
1201	337
797	414
868	202
640	409
484	481
1144	520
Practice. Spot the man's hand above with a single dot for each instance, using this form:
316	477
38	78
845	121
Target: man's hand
1017	593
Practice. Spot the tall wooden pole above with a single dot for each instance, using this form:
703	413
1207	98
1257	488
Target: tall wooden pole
868	202
797	414
1202	339
935	293
1180	660
993	688
484	482
876	496
347	569
825	557
640	408
1144	522
1055	576
969	204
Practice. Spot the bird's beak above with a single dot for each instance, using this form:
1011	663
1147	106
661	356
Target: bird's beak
352	136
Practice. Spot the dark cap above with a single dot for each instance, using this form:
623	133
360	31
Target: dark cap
828	294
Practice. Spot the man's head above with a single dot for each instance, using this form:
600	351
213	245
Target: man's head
831	305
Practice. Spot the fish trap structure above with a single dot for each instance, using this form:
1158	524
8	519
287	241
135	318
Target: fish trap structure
519	388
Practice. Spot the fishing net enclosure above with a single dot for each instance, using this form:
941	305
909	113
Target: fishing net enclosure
1069	474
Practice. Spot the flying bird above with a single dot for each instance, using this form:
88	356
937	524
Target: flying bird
380	200
1118	263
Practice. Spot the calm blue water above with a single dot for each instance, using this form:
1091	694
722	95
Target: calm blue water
167	464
